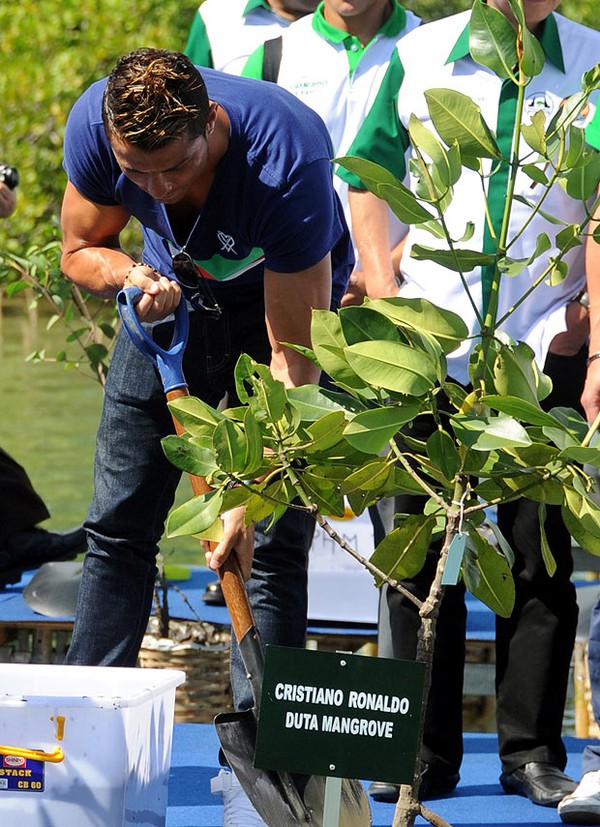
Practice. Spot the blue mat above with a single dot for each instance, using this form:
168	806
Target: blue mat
478	800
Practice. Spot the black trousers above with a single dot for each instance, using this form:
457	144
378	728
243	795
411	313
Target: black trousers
21	507
533	646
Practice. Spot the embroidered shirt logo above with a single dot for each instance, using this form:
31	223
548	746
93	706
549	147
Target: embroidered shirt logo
227	242
539	102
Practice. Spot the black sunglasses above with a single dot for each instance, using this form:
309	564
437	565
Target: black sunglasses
196	288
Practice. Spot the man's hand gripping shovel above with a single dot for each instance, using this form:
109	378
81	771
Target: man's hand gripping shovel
282	799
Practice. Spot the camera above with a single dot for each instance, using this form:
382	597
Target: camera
9	175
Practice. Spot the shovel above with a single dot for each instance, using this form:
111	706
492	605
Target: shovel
282	799
53	589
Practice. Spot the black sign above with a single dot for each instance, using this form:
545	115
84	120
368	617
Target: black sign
339	714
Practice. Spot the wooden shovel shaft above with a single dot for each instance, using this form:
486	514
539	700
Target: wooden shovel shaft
230	574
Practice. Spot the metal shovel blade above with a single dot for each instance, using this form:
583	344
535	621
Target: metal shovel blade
53	589
284	799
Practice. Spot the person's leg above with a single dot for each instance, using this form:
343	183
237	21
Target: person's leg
277	589
442	740
134	489
400	623
534	646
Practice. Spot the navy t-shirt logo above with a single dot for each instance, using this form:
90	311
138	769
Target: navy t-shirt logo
227	242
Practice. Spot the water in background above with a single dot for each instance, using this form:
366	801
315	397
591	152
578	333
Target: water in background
48	421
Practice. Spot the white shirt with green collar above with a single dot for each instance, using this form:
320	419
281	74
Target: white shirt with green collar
339	78
225	32
436	55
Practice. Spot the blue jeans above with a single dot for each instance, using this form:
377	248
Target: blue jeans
135	487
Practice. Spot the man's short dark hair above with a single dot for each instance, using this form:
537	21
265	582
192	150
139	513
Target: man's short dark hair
154	96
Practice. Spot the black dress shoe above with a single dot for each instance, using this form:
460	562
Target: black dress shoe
30	549
435	783
540	782
213	594
384	791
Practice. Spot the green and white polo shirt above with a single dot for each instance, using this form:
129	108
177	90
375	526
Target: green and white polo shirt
225	32
339	78
436	55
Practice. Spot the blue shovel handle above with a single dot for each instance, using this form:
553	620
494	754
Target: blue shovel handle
169	362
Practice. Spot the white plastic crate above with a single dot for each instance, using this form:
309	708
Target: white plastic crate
85	746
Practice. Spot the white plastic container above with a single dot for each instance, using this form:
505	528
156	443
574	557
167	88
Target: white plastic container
104	736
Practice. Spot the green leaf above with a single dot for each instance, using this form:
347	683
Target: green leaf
558	273
196	416
574	428
259	507
402	552
436	228
447	327
492	40
515	373
576	146
588	540
329	342
404	204
487	575
441	450
459	260
368	478
382	183
256	386
568	238
512	267
360	324
324	488
468	233
533	58
458	119
486	433
371	431
581	182
448	172
253	460
537	174
547	555
589	456
326	432
401	482
196	515
423	341
393	366
534	134
521	409
188	456
582	519
230	447
313	402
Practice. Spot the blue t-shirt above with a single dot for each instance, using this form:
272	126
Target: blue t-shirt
271	202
